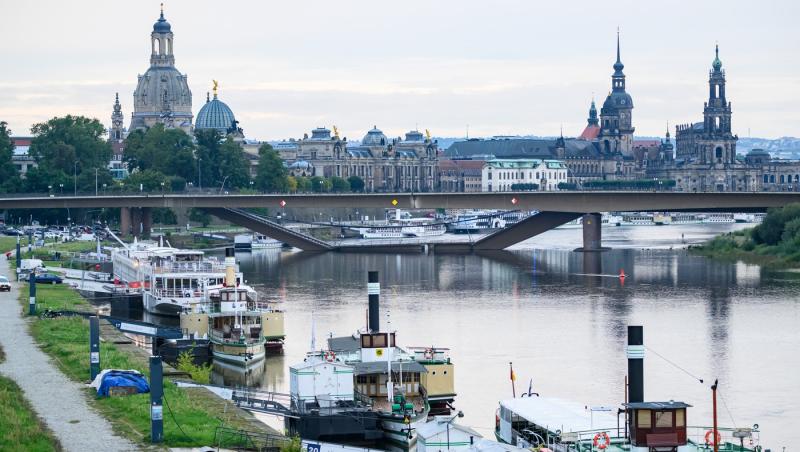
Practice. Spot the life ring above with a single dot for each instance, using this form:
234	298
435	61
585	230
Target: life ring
428	353
709	437
605	443
330	356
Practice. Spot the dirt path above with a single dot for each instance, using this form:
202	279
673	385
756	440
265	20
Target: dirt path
59	402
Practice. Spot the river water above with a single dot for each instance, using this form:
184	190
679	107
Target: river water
561	318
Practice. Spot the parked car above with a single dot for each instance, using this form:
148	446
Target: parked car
5	285
48	278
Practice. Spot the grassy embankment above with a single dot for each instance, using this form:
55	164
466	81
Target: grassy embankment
66	340
21	428
774	243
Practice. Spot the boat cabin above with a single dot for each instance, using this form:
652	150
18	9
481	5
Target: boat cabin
657	424
532	421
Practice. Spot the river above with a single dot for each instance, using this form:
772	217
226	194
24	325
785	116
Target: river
561	318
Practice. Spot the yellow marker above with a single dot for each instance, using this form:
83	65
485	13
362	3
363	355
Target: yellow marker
394	202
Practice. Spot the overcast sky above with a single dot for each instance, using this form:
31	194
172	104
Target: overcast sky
501	67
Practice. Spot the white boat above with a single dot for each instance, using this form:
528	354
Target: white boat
248	242
744	218
483	221
637	219
718	218
169	279
685	218
403	225
662	219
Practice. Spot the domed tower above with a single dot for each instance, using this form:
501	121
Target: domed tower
616	121
162	94
216	114
718	143
117	131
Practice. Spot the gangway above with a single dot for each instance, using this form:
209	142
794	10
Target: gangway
124	325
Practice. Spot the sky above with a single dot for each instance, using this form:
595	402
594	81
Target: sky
500	67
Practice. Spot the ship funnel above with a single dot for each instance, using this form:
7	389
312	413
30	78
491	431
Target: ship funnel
230	267
635	354
374	293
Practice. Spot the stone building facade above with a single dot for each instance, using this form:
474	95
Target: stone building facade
504	174
405	165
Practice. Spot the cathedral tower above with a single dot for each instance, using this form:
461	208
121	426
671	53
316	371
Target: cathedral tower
117	131
616	127
718	145
162	94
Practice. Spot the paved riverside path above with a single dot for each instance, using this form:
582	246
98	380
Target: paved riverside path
58	401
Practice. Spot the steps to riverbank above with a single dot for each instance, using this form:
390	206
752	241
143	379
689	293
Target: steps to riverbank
59	402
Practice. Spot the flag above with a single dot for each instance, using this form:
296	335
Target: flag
513	375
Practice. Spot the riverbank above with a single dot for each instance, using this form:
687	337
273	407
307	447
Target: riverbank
22	428
775	243
192	416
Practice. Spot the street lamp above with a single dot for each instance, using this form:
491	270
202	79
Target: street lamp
162	188
199	175
61	186
222	187
95	181
459	414
104	189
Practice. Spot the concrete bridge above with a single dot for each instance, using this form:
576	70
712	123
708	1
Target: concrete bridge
555	208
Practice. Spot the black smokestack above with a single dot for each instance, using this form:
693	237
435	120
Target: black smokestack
635	364
374	292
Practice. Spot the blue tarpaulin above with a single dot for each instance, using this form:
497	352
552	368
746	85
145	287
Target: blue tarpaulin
122	378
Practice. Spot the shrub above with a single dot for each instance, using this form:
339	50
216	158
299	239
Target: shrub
200	373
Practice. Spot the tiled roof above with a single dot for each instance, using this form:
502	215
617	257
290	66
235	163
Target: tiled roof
590	133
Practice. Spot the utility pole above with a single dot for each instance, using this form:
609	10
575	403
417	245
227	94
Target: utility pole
75	181
95	181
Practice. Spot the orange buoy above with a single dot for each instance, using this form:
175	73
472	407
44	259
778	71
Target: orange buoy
622	273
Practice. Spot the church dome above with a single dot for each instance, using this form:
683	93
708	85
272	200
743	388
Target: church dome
215	114
618	99
161	25
374	138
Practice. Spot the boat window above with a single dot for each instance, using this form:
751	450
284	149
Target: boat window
392	338
242	296
680	418
373	379
379	340
361	379
366	341
643	419
663	419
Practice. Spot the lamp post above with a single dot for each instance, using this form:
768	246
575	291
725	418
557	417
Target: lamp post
459	414
95	181
61	186
49	190
222	187
162	188
104	189
199	175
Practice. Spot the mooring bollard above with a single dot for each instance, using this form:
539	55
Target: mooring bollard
156	393
94	346
32	293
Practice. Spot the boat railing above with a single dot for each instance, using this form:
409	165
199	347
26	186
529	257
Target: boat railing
177	293
190	267
362	398
731	439
431	354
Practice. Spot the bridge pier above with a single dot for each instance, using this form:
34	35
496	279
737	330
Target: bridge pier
147	221
125	221
592	233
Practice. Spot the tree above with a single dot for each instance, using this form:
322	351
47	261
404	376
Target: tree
147	180
9	176
169	151
339	185
200	216
291	184
233	166
303	184
271	174
320	184
356	184
61	142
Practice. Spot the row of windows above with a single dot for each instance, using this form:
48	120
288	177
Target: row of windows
530	175
784	179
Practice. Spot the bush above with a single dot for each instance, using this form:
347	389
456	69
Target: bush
524	187
200	373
